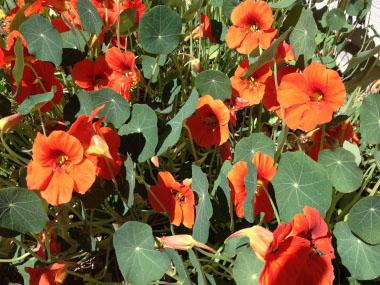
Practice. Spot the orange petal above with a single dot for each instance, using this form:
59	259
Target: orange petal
60	188
38	176
235	36
83	175
292	90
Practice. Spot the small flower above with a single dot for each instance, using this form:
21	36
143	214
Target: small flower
284	53
209	125
183	242
53	274
177	199
204	28
9	123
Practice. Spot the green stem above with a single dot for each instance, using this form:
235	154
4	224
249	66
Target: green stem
323	137
335	198
273	206
281	147
15	155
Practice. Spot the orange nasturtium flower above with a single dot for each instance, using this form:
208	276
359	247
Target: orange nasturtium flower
124	74
251	89
284	53
53	274
177	199
297	253
265	172
209	125
58	167
101	145
311	98
251	28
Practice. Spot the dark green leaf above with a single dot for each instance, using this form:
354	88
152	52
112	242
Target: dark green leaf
144	121
127	21
18	68
160	30
247	147
194	8
116	107
228	6
89	17
354	7
302	39
176	123
250	183
282	4
43	39
35	102
356	60
364	219
370	119
341	167
204	207
19	19
335	19
214	83
148	64
21	210
130	178
138	261
300	182
247	267
361	259
267	55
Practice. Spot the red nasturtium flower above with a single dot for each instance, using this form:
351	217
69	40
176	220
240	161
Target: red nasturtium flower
334	138
58	167
265	172
251	89
31	84
251	28
38	6
53	274
124	74
284	53
204	28
55	246
311	98
297	253
101	145
92	75
177	199
209	125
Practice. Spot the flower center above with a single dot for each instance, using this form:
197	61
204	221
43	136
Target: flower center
252	82
212	122
63	161
254	28
316	96
179	196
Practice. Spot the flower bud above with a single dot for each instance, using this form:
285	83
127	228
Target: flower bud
183	242
9	123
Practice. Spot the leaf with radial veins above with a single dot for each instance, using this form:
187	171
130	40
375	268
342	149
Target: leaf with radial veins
361	260
247	267
364	219
300	182
214	83
342	169
138	261
21	210
370	119
247	147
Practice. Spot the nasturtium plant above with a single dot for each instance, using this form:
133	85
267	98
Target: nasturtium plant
189	142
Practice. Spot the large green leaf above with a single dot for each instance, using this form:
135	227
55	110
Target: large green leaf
43	39
148	64
370	119
138	261
130	178
214	83
300	182
204	207
35	102
281	4
342	169
302	39
174	126
247	267
73	39
160	30
228	6
116	107
267	55
247	147
361	259
335	19
250	182
127	22
89	17
144	121
21	210
354	7
364	219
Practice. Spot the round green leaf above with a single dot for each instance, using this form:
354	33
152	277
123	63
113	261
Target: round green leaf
138	261
247	147
160	30
116	107
214	83
21	210
364	219
370	119
354	7
335	19
89	17
300	182
35	102
361	259
144	120
247	267
341	168
43	39
302	39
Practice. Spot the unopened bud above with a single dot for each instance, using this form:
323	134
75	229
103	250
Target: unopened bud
9	123
183	242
